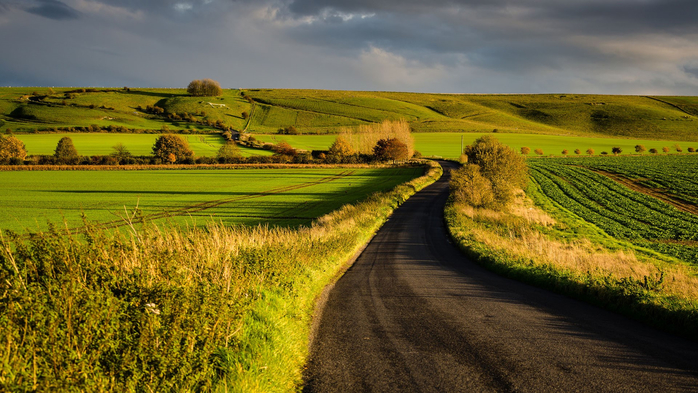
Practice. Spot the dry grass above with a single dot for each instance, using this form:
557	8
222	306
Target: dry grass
364	138
514	234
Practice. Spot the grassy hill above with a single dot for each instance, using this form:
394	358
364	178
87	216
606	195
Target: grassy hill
323	111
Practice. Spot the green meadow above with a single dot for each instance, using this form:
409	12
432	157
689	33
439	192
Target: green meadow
88	144
284	197
448	144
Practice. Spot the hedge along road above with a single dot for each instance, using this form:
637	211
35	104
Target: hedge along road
414	314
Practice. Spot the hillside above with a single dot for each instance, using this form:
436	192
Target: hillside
323	111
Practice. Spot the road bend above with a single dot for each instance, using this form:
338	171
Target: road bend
413	314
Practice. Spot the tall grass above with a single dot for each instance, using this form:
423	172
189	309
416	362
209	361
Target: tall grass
159	309
364	137
527	243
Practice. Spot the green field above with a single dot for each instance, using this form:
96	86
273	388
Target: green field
89	144
448	144
325	111
666	226
286	197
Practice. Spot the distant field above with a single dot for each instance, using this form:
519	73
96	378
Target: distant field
448	144
89	144
287	197
327	111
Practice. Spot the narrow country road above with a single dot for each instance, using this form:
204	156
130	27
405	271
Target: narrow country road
413	314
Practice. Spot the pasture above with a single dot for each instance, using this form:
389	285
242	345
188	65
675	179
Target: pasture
283	197
88	144
448	144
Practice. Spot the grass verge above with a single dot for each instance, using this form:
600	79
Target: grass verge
206	309
555	250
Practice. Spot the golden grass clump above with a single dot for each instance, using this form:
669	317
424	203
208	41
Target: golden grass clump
364	137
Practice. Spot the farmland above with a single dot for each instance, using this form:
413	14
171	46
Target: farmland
285	197
624	213
447	144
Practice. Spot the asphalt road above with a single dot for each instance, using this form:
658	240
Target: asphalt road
414	314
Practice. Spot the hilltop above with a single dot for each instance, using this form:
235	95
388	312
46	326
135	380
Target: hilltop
322	111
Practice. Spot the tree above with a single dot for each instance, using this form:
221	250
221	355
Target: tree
616	150
640	148
678	148
172	148
525	150
565	152
245	115
204	88
12	148
390	149
283	148
577	151
120	151
66	153
229	152
340	148
539	152
691	150
505	169
653	151
665	149
590	151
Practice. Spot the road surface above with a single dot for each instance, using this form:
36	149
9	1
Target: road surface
413	314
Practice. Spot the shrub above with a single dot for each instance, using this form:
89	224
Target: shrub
505	169
539	152
691	150
204	87
653	151
678	148
65	152
283	148
390	149
120	151
565	152
616	150
525	150
590	152
230	152
640	148
245	115
172	148
665	149
469	186
577	151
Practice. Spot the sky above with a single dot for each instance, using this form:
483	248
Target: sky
441	46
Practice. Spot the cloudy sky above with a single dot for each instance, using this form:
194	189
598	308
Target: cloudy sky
450	46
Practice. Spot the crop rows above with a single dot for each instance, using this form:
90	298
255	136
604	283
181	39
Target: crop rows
619	211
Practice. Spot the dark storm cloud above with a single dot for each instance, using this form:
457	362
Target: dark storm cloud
53	9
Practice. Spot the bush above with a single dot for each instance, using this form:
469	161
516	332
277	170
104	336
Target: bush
469	186
616	150
691	150
539	152
577	151
525	150
505	169
390	149
640	148
65	152
565	152
590	152
653	151
283	148
204	88
228	153
172	148
665	149
678	148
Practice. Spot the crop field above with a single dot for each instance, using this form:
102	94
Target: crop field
447	144
284	197
88	144
620	211
325	111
